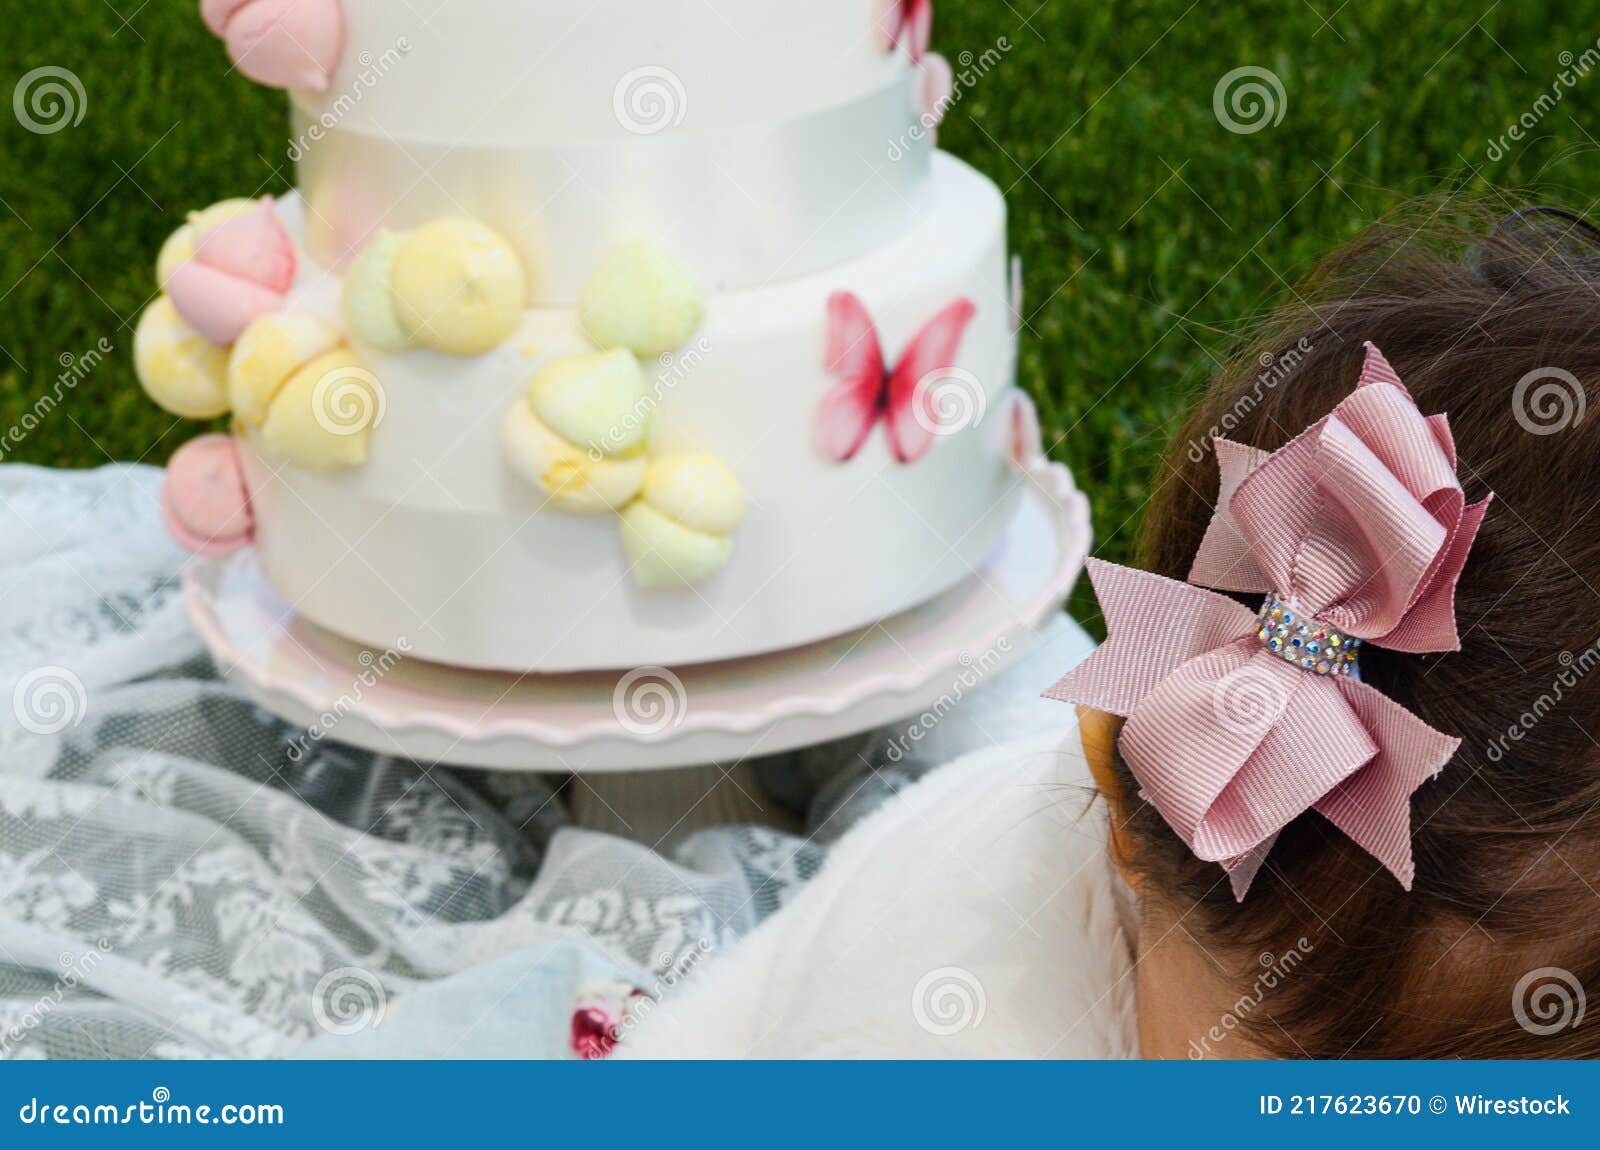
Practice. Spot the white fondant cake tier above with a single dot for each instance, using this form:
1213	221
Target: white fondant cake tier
754	140
740	208
438	541
504	73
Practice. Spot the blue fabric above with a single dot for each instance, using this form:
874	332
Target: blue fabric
519	1006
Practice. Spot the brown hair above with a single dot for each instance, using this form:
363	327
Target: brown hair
1500	327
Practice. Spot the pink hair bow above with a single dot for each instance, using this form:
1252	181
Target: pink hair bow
1238	721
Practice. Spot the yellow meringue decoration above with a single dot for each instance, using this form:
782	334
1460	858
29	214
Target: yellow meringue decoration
456	286
679	531
581	434
573	478
182	244
179	368
323	415
642	299
293	379
270	351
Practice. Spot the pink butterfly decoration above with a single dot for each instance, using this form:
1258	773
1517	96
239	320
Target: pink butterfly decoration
1026	436
1016	295
907	20
936	83
870	391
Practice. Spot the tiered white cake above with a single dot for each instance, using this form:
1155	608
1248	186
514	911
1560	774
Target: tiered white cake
774	158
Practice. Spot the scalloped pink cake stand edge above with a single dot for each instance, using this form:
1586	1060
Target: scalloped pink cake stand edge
601	721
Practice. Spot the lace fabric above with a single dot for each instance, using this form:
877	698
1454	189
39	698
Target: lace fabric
173	884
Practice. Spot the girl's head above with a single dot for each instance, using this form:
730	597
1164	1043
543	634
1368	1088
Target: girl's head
1497	324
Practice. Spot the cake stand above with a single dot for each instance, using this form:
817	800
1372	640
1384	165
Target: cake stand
653	717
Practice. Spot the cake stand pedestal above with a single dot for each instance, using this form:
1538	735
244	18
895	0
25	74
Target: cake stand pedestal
649	718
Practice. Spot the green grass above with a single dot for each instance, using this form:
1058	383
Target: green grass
1149	231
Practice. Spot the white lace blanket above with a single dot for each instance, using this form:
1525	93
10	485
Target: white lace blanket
172	884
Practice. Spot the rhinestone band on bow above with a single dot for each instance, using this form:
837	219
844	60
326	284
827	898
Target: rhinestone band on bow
1306	643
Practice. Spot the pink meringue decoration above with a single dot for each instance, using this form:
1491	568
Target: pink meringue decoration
280	43
241	271
204	501
251	246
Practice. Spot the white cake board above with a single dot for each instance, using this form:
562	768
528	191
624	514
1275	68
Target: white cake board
648	718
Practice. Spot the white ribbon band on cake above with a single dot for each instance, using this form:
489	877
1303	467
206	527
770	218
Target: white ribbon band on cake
742	209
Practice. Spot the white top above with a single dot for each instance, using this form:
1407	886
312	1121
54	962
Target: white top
977	915
512	72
